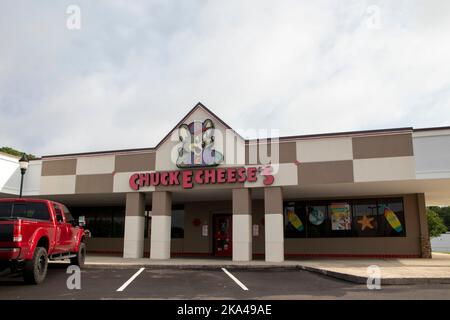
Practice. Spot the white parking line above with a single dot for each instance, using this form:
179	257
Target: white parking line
130	280
235	279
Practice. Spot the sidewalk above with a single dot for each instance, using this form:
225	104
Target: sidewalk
393	271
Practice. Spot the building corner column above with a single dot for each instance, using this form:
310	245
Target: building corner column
273	222
425	244
133	242
242	225
161	225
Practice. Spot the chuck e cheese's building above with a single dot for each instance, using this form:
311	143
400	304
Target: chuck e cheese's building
206	191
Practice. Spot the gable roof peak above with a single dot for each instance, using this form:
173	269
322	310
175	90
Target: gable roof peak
199	105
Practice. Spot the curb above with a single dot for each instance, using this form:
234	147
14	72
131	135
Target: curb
333	274
384	281
193	267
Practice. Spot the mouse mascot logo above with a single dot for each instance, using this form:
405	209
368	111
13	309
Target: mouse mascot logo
197	145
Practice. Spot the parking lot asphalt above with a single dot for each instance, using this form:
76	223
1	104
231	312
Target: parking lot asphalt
148	283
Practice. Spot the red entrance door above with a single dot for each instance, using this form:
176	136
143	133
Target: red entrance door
222	235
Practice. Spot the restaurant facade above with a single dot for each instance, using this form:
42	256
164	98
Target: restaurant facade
205	191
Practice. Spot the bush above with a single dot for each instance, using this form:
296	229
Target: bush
436	226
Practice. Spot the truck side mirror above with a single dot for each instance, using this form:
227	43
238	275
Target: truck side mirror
81	221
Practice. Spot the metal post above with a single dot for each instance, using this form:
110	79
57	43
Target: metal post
22	173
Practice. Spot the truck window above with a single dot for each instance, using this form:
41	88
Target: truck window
69	217
5	209
58	213
38	210
28	210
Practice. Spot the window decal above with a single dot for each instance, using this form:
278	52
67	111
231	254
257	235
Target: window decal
294	219
316	216
341	218
366	222
362	217
393	220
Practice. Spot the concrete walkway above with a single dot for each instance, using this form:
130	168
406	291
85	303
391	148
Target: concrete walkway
393	271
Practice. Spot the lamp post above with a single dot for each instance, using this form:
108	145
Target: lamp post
23	164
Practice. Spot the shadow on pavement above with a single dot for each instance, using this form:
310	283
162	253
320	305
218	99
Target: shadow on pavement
7	278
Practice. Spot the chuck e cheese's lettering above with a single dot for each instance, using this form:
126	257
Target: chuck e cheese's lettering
188	178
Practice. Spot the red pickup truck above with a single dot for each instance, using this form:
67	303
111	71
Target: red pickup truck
33	231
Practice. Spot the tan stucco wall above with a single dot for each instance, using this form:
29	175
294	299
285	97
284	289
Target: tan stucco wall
303	161
194	242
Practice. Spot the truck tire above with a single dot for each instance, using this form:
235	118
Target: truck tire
35	269
81	256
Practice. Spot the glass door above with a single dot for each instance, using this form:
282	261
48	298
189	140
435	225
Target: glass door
222	235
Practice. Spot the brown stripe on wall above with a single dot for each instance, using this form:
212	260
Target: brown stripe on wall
287	153
135	162
242	201
251	148
59	167
161	203
397	145
135	204
94	183
325	172
273	200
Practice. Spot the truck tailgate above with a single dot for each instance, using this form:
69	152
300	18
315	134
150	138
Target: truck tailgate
6	231
8	249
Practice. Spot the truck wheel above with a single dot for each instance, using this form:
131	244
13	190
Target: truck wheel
81	256
35	270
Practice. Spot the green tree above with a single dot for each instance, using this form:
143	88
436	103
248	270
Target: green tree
16	153
436	226
444	214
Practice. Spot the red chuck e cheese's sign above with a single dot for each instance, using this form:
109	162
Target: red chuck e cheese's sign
188	178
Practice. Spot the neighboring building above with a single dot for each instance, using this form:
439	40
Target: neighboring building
341	194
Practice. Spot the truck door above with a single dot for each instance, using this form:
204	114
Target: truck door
62	233
71	229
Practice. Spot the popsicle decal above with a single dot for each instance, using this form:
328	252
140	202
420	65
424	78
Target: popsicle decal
393	220
294	220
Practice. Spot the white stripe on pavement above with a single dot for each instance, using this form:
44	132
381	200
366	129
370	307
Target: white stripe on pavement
130	280
235	279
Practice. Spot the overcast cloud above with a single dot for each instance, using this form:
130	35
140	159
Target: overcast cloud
135	68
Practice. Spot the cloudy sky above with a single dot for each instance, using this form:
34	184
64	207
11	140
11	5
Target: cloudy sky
135	68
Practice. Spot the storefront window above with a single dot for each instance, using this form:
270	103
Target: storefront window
340	214
103	225
294	220
367	220
118	224
317	222
147	224
102	222
342	218
177	230
89	223
394	217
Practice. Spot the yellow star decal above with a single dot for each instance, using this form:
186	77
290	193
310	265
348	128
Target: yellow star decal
365	222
